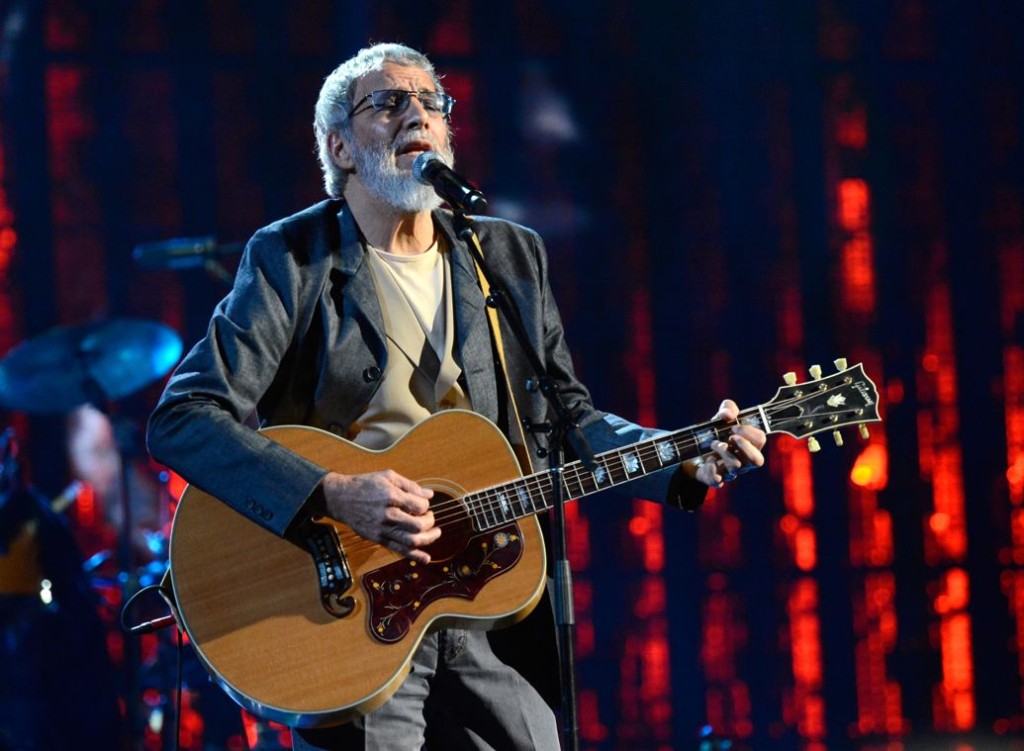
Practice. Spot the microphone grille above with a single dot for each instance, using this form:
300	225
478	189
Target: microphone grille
420	163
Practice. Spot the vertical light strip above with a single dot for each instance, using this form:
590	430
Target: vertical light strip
9	328
724	636
797	524
1011	557
646	685
875	624
879	699
8	248
1008	225
1011	581
944	528
152	146
77	218
953	697
806	701
803	702
1013	390
945	531
941	461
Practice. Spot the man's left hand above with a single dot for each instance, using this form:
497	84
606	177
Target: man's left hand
739	454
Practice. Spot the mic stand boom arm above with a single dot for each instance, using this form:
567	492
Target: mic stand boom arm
562	429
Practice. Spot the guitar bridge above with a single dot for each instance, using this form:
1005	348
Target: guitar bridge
332	570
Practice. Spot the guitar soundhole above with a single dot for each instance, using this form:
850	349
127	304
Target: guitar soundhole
453	517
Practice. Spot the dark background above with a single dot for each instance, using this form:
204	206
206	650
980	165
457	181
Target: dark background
728	190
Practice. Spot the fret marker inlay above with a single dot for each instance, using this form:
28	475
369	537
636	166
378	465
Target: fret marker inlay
631	462
666	452
704	439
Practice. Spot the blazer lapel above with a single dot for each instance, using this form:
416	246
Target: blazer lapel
359	292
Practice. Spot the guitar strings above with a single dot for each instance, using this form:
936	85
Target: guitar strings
478	504
495	501
490	499
614	462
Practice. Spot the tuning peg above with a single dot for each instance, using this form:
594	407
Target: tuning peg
840	363
812	445
837	437
815	371
789	378
864	432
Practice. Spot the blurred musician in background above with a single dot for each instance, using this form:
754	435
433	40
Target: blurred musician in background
95	457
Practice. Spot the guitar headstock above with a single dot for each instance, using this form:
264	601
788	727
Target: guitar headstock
847	397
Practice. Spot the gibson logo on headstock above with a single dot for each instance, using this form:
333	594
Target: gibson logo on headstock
865	391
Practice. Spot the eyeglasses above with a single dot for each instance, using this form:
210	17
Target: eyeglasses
396	100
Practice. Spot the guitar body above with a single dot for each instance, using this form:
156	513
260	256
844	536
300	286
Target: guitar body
251	605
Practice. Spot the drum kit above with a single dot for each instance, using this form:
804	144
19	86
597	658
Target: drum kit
91	364
54	374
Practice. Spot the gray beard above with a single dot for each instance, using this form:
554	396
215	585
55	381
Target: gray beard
382	179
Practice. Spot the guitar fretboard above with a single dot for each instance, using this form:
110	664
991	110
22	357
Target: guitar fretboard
848	397
500	504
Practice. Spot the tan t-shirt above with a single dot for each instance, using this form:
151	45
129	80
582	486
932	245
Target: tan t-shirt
421	376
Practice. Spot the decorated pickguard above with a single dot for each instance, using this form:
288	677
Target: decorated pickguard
399	592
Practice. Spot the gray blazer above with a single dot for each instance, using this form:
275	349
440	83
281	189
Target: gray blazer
300	340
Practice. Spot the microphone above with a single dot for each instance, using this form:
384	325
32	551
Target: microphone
429	169
181	252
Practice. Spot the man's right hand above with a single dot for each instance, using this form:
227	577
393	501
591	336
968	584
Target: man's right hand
384	507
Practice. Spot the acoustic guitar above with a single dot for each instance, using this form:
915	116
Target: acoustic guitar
316	630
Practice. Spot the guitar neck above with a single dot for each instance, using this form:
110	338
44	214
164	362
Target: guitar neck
500	504
845	398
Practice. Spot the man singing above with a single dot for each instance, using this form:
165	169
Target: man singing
364	315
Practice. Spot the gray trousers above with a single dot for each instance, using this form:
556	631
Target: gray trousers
458	695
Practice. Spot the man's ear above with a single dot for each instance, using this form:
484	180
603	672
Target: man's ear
340	154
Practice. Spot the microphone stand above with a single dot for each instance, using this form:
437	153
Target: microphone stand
562	429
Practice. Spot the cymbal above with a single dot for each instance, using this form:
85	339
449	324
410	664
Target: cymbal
96	362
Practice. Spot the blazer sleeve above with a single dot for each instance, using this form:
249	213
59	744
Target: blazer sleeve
197	428
673	485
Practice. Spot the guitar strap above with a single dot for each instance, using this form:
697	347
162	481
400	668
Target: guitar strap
518	437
